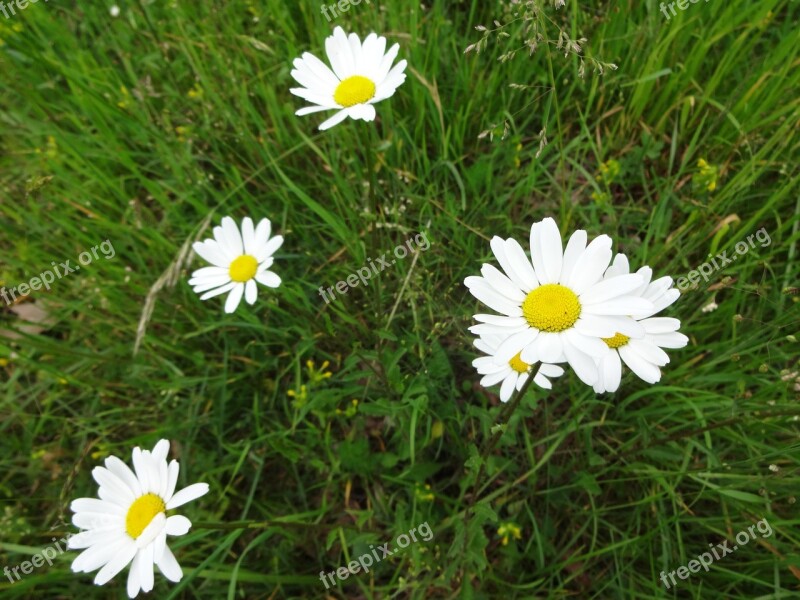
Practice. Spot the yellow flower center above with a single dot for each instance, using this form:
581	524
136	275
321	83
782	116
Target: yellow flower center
551	307
354	90
519	365
618	341
142	512
243	268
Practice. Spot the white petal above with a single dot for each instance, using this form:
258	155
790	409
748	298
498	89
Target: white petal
232	235
550	370
592	346
250	292
502	333
591	264
100	537
169	567
94	521
269	279
172	478
669	340
178	525
582	363
118	562
200	287
514	345
508	387
268	249
134	578
320	69
492	378
263	229
308	110
607	289
501	320
211	251
248	235
94	505
649	352
140	468
207	273
550	346
502	284
187	494
611	371
121	470
334	120
550	251
107	479
234	298
575	247
386	63
160	543
661	325
643	369
219	291
152	531
521	264
98	556
622	306
146	568
620	266
492	298
365	112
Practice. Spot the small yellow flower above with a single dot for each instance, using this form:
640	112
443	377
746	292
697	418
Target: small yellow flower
3	362
350	411
508	530
300	397
707	176
183	132
125	97
317	375
424	493
609	171
51	148
196	93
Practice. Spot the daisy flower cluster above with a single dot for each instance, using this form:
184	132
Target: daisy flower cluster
569	305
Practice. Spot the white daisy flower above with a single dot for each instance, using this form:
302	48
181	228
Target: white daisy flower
128	524
513	373
643	356
555	307
362	76
239	261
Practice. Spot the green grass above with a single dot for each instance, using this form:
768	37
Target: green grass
101	139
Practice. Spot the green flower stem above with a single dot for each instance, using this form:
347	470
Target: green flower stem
504	417
233	525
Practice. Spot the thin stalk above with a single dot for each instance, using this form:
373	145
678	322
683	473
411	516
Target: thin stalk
500	428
